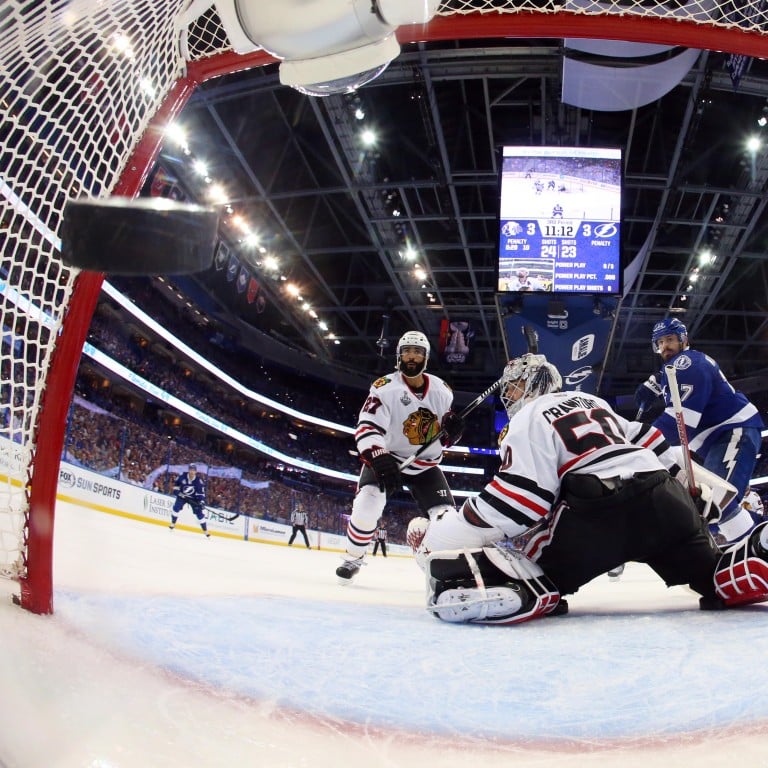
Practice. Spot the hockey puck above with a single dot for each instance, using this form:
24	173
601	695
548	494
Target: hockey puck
138	236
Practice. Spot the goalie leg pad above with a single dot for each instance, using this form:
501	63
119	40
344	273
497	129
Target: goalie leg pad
742	573
487	586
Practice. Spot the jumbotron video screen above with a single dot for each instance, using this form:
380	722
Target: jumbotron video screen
559	220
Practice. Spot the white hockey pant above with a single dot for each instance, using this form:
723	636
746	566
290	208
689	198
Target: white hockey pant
367	508
742	573
487	586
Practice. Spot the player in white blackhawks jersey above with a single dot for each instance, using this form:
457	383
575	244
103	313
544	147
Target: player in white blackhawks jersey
601	488
404	411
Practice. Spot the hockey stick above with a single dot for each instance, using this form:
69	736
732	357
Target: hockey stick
213	513
471	407
677	406
531	339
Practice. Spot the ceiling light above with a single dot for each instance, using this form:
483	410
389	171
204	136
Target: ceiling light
359	114
217	193
176	133
368	137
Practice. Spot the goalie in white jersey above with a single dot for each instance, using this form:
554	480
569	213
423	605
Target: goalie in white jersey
404	411
597	490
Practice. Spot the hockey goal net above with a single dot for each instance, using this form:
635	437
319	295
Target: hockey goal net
87	88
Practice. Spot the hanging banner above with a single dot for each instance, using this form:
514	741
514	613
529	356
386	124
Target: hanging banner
455	340
222	256
242	279
232	267
574	332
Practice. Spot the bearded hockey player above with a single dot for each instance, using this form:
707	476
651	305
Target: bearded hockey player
722	425
404	411
598	491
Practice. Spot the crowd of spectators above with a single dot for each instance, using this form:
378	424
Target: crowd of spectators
108	434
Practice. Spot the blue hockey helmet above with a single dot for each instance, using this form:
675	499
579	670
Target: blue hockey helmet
670	326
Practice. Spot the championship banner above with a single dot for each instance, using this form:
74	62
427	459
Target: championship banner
164	184
242	279
574	331
455	339
222	256
232	267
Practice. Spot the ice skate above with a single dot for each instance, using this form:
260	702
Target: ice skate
347	570
615	573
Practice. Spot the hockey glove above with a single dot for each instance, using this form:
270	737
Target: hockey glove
648	394
453	426
386	469
705	504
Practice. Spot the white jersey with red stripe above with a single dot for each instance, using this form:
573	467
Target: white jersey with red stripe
557	434
401	420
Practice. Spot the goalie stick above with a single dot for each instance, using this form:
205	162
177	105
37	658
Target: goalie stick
677	407
532	341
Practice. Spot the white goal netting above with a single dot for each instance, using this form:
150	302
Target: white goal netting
85	88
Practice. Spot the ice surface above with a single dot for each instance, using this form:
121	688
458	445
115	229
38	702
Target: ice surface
170	649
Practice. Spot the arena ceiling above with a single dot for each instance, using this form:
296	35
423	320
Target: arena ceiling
339	216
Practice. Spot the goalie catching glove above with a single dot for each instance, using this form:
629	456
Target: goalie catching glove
386	469
452	426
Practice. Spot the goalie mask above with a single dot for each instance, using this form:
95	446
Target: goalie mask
525	378
412	339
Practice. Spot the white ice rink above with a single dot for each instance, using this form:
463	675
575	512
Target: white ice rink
169	649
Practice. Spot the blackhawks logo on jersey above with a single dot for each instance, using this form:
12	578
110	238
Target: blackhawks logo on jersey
421	426
380	382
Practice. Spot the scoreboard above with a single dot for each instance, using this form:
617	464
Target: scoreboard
560	255
560	220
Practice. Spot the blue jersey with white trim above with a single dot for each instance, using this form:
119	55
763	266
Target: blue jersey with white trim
711	405
190	490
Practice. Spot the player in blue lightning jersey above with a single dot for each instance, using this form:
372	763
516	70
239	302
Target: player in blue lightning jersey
722	425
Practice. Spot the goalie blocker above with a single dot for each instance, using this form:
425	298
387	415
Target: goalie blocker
496	586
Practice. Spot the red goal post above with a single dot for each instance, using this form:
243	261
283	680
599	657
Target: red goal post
87	89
